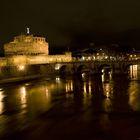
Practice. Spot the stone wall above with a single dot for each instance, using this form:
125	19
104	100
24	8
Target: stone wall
30	60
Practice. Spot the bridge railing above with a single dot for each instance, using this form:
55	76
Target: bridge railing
107	60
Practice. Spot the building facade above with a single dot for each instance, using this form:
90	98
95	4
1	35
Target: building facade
27	45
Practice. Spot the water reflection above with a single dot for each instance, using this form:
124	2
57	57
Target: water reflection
134	72
87	94
23	103
108	93
134	96
38	99
106	77
87	87
69	89
107	105
1	102
108	90
23	97
69	86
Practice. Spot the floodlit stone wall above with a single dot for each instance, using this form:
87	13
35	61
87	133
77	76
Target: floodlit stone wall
29	60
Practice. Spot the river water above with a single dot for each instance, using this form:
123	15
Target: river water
108	103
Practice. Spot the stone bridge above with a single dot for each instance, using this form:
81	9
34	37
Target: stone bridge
68	68
91	67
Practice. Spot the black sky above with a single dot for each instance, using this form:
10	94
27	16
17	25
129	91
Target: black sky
66	22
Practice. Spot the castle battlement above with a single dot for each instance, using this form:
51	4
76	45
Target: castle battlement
26	45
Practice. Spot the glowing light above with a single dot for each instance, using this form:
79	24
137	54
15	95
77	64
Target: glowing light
23	97
107	90
83	75
86	93
47	93
57	66
57	79
69	87
1	102
103	77
85	90
134	71
1	89
89	87
21	67
106	57
28	30
107	94
83	58
89	58
51	59
27	84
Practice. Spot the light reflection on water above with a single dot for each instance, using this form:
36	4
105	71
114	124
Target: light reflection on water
134	95
23	97
1	102
134	72
21	104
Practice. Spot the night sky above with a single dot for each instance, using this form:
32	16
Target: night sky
68	22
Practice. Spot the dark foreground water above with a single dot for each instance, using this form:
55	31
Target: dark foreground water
90	108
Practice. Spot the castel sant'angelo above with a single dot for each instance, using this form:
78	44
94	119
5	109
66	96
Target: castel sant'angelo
30	49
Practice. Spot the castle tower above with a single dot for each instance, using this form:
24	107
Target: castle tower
27	45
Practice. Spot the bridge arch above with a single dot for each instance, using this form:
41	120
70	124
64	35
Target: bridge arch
129	70
126	68
82	68
104	66
63	69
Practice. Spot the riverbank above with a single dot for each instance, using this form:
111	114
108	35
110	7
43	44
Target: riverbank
20	79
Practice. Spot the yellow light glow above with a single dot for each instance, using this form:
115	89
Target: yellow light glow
85	90
1	89
86	93
23	97
57	66
90	87
69	87
134	71
57	79
21	67
107	90
1	102
103	77
47	93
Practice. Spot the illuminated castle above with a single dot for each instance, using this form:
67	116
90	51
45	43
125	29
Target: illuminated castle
29	49
26	45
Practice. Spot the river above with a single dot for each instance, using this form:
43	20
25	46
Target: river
89	107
